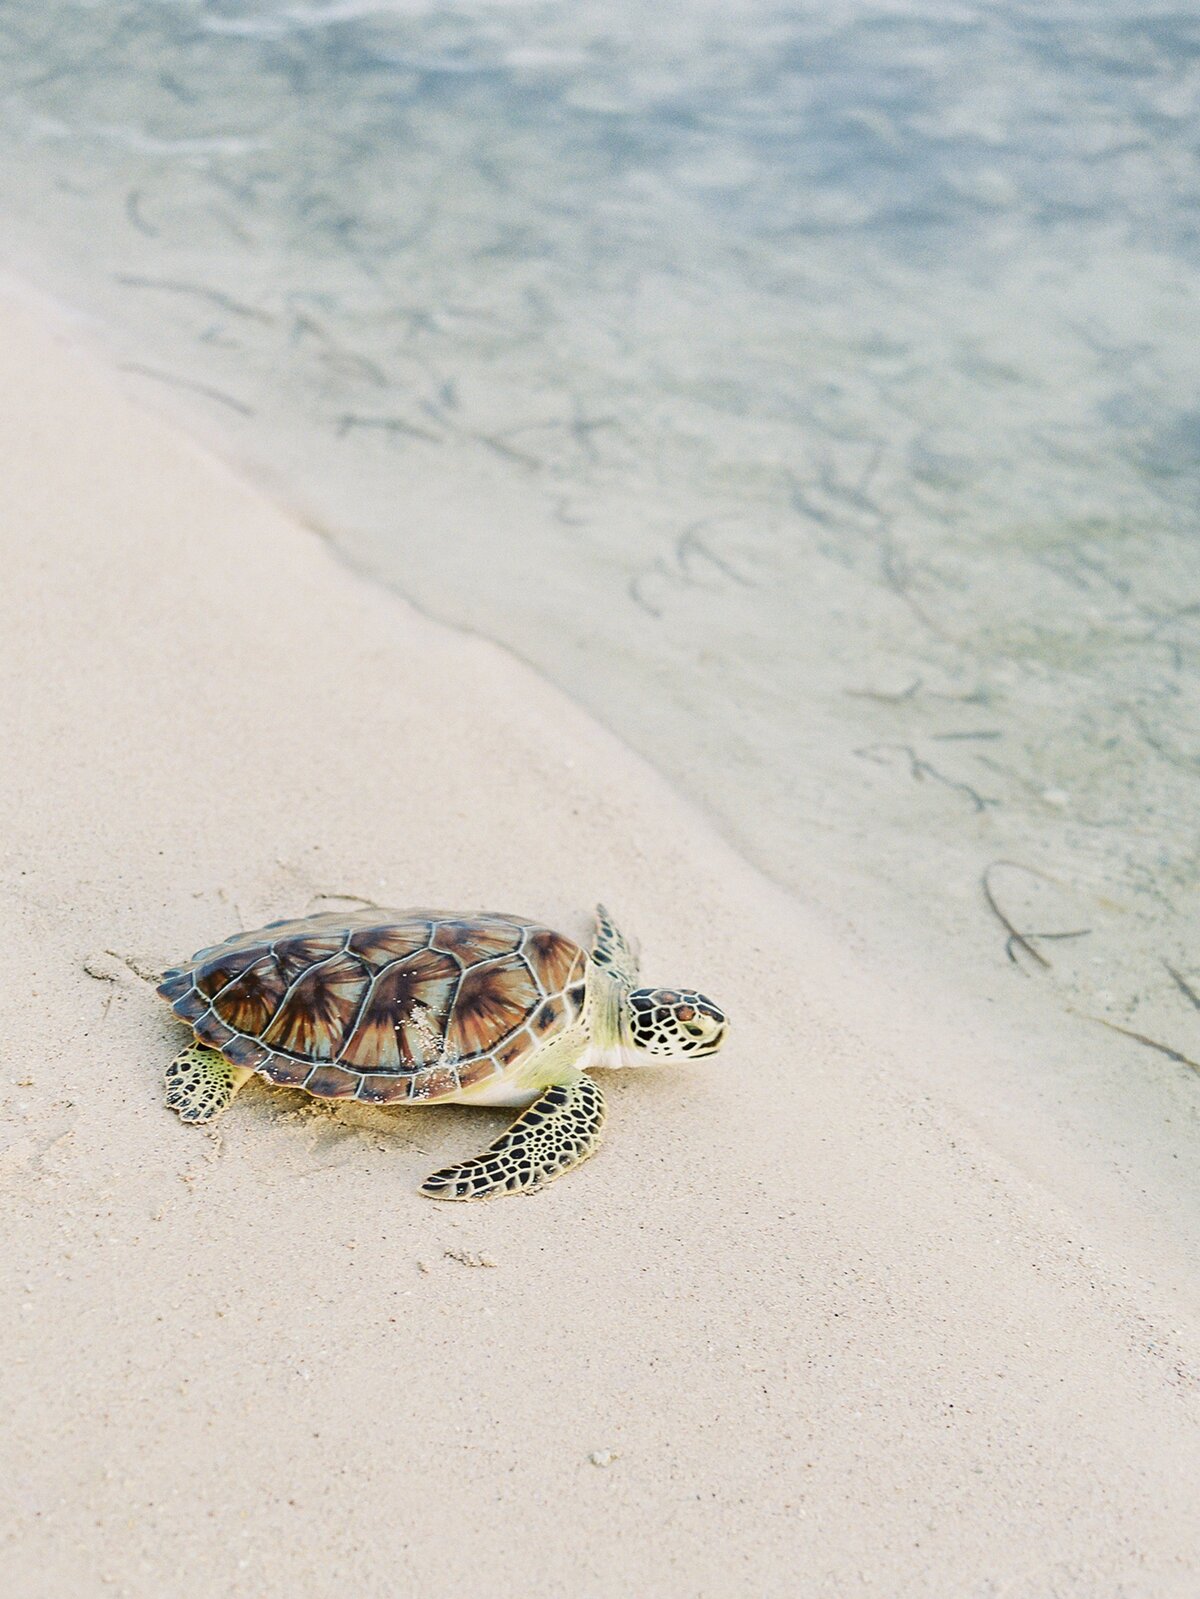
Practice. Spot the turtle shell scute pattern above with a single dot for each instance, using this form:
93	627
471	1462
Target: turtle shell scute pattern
386	1007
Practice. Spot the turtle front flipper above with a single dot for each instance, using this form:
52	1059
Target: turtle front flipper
201	1083
559	1130
612	951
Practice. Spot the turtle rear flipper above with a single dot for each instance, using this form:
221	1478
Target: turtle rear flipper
201	1083
559	1130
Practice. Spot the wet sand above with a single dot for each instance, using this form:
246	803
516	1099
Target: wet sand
802	1326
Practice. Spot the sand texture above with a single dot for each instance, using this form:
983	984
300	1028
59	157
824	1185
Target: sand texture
796	1330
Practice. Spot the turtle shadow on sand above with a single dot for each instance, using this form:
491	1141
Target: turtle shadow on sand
333	1134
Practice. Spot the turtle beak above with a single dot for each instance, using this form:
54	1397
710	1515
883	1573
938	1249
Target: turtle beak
717	1039
721	1025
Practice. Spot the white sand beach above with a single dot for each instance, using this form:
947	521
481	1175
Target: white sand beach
803	1327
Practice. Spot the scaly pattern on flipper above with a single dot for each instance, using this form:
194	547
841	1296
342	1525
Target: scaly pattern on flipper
559	1130
612	951
201	1083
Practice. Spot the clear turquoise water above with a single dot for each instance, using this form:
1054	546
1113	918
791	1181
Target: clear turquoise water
812	390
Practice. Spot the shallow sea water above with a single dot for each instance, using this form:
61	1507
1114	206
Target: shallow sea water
813	391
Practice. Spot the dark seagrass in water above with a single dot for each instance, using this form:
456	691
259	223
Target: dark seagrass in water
857	398
417	1006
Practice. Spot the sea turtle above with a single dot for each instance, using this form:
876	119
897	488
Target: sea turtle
411	1007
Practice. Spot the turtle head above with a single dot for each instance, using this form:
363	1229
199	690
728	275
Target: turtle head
674	1023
